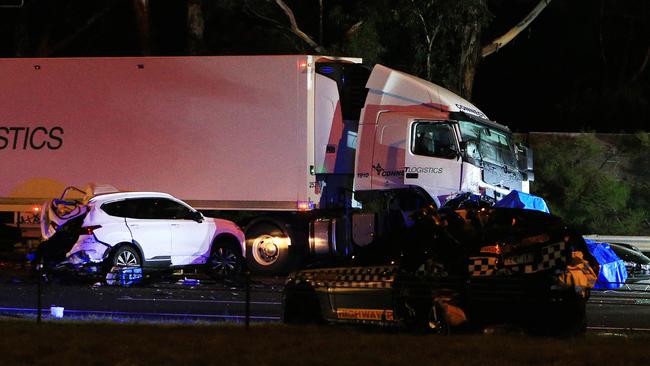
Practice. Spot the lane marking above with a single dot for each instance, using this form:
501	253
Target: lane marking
200	301
46	311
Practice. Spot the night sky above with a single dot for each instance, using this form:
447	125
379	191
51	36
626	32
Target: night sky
576	68
582	65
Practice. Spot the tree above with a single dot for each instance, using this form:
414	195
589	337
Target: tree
195	27
575	177
454	27
639	169
142	11
444	34
504	39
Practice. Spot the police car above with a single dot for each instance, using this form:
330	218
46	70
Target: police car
456	269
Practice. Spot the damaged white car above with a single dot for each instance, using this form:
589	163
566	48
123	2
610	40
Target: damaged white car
141	231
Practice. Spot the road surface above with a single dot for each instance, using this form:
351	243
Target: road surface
184	299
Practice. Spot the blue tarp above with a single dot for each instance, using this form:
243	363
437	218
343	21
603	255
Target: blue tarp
612	272
516	199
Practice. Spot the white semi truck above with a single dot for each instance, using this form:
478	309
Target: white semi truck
313	156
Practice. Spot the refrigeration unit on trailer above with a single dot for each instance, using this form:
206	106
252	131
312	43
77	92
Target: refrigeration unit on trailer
313	156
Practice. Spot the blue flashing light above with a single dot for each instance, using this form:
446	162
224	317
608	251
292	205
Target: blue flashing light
326	69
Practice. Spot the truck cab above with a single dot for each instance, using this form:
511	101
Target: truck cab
415	134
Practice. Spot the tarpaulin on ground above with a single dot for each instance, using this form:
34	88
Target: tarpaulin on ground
517	199
612	272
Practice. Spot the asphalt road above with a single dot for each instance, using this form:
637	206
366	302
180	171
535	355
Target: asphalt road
624	308
177	299
168	300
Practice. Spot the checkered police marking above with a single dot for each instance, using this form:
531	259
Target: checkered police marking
482	266
551	257
354	277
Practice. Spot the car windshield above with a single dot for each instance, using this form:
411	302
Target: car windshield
488	144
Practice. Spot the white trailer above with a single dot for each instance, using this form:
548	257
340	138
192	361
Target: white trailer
268	141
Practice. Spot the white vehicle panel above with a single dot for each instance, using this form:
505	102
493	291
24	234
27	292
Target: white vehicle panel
153	236
194	113
394	88
440	176
89	247
191	241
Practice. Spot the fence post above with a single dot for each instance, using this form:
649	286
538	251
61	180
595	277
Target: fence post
39	291
248	299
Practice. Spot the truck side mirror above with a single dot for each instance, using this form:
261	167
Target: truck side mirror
448	153
525	160
463	146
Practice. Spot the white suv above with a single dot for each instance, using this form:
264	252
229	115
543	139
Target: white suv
149	230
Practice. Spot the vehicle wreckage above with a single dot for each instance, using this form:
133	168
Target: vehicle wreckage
122	235
457	268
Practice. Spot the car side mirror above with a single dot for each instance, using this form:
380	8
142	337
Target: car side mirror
195	216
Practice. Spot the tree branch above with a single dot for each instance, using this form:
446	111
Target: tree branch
353	29
294	26
514	31
79	31
643	66
254	12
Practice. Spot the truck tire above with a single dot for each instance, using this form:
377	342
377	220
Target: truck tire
267	249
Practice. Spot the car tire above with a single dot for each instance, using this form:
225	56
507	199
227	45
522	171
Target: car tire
425	317
225	259
436	320
267	249
565	317
126	256
301	306
126	267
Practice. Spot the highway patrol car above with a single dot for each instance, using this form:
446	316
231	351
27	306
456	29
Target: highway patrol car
456	268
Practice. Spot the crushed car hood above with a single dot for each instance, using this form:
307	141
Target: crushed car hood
492	241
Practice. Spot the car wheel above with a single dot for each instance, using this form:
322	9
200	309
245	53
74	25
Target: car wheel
267	249
126	268
225	260
301	306
436	320
126	256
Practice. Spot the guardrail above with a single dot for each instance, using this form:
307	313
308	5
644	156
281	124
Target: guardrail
641	242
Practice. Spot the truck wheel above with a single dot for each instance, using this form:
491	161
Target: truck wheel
267	249
225	259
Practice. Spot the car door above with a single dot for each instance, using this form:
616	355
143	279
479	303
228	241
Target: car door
190	238
364	294
151	233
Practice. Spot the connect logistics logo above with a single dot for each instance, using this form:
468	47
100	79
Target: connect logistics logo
31	138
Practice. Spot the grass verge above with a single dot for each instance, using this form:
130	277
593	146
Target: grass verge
70	343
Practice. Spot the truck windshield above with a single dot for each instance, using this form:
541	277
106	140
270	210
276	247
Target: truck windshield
488	144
